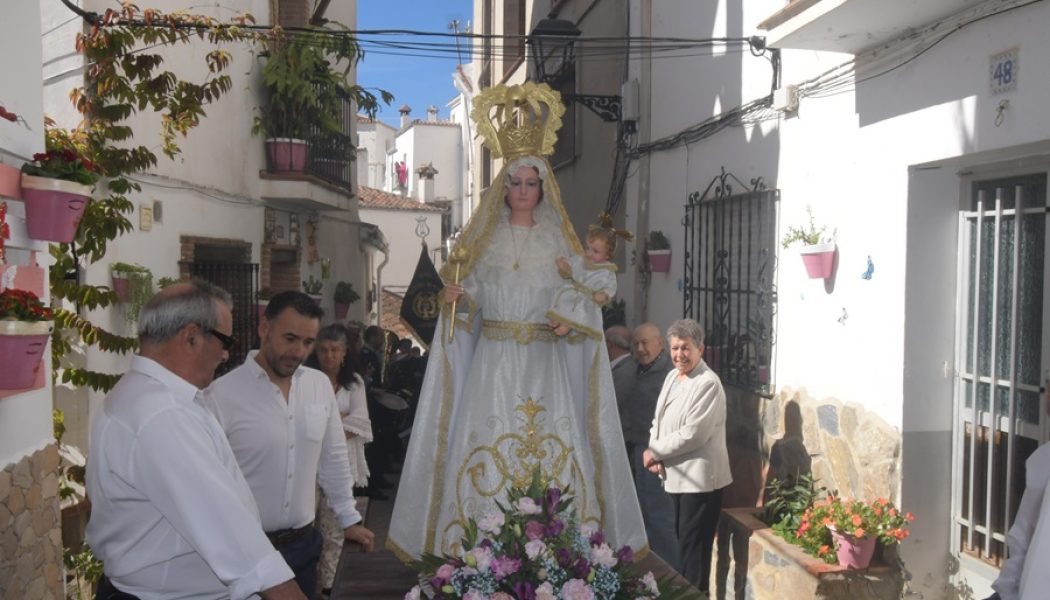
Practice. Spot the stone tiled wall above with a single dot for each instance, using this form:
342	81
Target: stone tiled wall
30	528
853	451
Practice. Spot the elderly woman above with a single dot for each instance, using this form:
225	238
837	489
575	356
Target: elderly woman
687	448
335	355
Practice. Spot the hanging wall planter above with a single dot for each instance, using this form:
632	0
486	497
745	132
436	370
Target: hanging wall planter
819	260
658	249
10	182
22	345
53	207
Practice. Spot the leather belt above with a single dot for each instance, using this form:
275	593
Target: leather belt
283	537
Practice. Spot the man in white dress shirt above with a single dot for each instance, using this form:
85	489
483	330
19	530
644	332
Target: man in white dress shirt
172	516
282	421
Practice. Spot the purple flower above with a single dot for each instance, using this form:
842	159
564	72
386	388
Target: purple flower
524	590
555	527
534	530
625	554
502	566
582	568
551	501
598	539
437	582
564	557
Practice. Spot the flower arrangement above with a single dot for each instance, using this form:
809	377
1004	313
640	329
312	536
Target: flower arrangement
21	305
535	549
65	164
853	518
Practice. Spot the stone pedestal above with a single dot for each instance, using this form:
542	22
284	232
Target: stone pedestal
30	528
777	569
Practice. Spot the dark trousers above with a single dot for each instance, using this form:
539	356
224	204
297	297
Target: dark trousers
303	555
696	522
106	591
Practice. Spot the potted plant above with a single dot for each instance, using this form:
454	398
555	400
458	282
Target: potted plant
305	96
133	285
344	296
25	324
850	528
817	248
658	249
164	282
312	287
56	187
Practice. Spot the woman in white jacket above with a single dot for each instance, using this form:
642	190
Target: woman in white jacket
687	448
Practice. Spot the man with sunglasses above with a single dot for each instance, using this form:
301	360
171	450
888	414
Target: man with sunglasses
283	424
172	516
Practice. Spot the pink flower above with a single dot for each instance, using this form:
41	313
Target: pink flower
603	555
577	589
650	583
445	571
528	506
474	595
482	558
501	596
546	592
535	548
491	523
413	594
534	530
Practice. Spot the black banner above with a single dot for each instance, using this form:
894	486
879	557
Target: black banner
421	305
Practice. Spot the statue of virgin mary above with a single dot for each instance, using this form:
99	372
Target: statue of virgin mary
503	395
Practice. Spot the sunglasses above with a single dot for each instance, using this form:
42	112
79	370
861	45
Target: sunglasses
227	341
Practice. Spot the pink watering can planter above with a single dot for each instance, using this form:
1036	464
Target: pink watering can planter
22	345
53	207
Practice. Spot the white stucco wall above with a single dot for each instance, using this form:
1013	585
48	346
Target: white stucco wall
374	139
399	227
25	419
440	145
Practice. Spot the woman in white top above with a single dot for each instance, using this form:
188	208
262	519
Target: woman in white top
687	448
335	355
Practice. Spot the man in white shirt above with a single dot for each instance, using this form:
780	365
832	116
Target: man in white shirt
172	516
282	421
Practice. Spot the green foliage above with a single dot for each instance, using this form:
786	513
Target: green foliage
306	83
786	501
164	282
86	569
657	241
22	305
313	286
809	235
61	163
614	313
345	294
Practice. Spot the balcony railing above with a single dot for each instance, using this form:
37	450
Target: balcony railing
327	158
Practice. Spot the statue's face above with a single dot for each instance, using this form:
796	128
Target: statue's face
523	190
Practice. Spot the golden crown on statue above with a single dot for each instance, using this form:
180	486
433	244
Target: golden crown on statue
518	120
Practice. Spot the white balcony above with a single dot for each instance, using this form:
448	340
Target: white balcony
852	26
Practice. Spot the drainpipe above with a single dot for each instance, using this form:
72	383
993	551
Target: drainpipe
374	239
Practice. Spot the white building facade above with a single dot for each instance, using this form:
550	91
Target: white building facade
913	136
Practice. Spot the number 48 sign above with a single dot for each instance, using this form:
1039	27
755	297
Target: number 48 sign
1003	71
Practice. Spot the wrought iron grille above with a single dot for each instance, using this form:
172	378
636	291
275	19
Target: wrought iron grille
241	280
330	156
729	284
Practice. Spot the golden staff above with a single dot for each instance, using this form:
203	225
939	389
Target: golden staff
457	257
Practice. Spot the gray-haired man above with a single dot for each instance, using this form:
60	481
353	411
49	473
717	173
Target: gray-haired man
172	516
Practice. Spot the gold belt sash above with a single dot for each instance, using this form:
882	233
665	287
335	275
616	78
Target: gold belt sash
523	333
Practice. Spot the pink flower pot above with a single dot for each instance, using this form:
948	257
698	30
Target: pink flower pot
22	345
121	287
659	261
10	182
852	552
341	308
819	260
53	207
286	154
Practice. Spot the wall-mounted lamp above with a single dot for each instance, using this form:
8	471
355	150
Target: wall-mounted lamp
553	46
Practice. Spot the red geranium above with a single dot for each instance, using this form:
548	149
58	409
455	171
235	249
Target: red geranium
20	305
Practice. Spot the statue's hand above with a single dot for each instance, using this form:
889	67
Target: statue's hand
564	268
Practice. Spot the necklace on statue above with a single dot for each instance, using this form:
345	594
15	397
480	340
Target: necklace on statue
514	241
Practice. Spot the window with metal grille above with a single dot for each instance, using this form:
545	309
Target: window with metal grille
730	257
999	417
241	280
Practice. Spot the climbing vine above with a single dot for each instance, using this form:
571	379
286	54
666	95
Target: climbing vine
125	76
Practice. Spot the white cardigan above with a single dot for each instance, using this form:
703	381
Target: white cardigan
689	432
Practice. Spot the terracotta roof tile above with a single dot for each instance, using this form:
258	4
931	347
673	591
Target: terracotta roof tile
373	198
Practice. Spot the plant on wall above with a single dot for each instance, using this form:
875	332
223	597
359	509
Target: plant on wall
807	235
139	287
123	78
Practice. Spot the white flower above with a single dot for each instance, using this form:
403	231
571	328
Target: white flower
535	548
650	582
482	557
413	594
491	523
588	529
577	589
527	506
545	592
603	555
